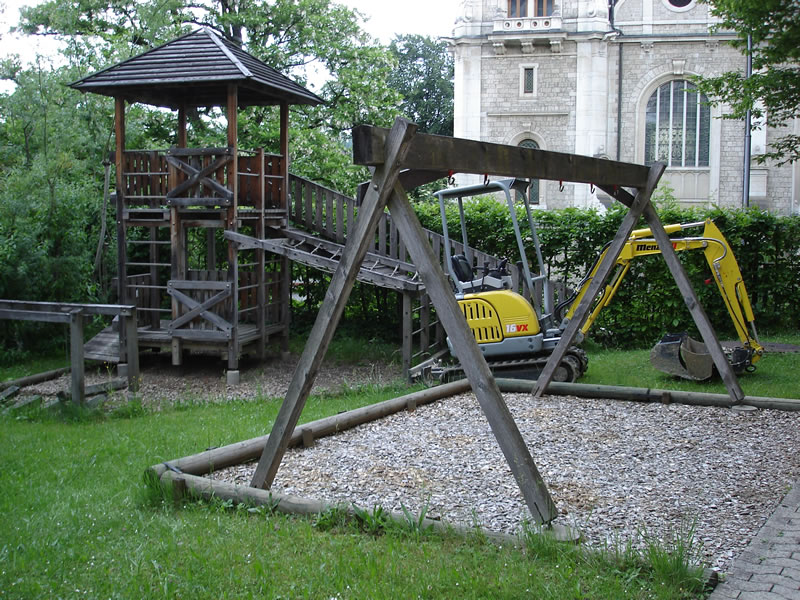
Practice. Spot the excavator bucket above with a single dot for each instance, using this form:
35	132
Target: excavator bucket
678	354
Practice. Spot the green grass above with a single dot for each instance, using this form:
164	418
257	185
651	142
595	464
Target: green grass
78	522
774	377
33	366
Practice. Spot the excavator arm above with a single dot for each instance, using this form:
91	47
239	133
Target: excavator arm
726	275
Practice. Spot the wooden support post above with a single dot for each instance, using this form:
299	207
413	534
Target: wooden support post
233	255
424	322
132	342
177	251
261	292
689	296
604	270
408	333
284	142
181	127
119	162
505	430
286	301
358	242
153	293
76	355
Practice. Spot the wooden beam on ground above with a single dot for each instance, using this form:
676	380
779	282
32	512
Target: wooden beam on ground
503	426
434	153
358	242
641	201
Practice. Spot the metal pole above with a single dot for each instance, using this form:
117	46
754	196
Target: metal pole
747	135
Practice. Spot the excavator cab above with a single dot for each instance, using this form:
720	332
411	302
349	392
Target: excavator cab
514	334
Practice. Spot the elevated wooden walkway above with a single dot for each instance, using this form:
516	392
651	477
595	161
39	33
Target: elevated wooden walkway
307	249
311	230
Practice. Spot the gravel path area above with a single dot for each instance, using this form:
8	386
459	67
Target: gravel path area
202	379
614	469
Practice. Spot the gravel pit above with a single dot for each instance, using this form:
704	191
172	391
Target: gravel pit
615	469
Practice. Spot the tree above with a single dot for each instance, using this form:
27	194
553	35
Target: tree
304	39
424	78
773	90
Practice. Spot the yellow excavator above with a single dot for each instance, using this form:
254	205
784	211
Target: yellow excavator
516	339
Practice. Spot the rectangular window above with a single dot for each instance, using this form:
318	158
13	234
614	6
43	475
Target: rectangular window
677	126
518	8
542	8
527	86
528	75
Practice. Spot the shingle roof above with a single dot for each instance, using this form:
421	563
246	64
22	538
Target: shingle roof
195	70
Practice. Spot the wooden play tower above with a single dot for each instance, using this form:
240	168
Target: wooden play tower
194	290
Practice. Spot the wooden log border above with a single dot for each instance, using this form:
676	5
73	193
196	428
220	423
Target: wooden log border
187	474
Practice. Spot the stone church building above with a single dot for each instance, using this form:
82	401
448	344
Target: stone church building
610	80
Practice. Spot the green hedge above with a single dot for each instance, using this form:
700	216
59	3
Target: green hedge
648	304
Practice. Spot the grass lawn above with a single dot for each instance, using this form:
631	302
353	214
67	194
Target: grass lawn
78	522
774	377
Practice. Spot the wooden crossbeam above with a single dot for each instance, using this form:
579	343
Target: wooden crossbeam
435	154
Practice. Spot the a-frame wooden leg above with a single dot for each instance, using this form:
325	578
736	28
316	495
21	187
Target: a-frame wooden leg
695	308
358	242
480	377
641	200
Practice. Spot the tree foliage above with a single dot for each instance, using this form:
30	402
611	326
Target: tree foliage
54	139
424	78
313	41
772	92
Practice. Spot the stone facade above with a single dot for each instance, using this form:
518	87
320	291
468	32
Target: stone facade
577	75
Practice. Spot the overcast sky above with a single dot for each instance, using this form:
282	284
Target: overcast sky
425	17
384	20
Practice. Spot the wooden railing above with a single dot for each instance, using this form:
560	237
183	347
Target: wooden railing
74	315
199	177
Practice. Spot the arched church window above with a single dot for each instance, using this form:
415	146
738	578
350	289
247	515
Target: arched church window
677	126
533	191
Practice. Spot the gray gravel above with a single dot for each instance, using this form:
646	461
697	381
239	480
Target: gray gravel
615	469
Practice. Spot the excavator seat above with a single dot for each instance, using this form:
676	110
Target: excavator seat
461	267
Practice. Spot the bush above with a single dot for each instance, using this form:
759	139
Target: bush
648	303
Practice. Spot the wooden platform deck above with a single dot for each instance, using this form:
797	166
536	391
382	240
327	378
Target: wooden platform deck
104	346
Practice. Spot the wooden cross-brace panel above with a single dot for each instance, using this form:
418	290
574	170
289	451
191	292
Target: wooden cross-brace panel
199	177
425	157
222	328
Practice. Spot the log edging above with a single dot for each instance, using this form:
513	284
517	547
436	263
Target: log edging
186	474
